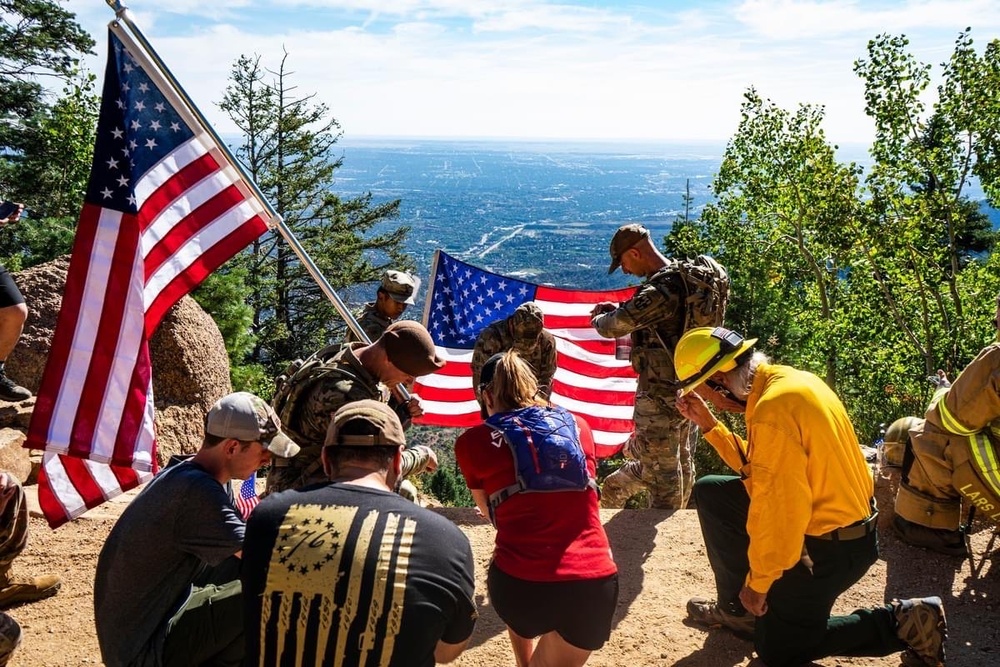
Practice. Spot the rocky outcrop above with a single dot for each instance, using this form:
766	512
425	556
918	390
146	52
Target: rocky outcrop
190	373
190	366
14	458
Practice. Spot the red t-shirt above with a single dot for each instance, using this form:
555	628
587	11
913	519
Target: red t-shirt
552	536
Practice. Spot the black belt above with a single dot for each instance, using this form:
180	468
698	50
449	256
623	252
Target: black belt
853	532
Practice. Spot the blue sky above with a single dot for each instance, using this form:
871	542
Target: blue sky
641	69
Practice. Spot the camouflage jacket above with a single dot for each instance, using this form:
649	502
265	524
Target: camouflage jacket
654	318
346	381
497	338
372	322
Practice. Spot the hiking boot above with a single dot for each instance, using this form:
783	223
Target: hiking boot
10	638
28	589
711	614
920	623
948	542
11	391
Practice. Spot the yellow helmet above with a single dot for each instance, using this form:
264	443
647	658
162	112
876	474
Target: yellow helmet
895	439
704	351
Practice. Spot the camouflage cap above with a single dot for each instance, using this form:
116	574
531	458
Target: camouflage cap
381	416
526	323
399	285
410	348
246	417
626	237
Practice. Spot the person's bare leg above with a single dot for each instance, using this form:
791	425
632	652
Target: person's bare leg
12	320
523	648
554	651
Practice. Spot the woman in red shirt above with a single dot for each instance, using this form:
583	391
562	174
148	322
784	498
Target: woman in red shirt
552	574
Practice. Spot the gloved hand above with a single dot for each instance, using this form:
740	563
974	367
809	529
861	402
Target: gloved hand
939	380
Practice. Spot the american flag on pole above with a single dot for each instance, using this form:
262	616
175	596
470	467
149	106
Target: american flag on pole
589	381
164	208
247	498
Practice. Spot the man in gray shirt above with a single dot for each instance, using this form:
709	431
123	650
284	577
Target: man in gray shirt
167	590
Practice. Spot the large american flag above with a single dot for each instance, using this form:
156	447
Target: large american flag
589	381
164	208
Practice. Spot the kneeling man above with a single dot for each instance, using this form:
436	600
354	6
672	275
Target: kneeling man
167	591
797	527
347	572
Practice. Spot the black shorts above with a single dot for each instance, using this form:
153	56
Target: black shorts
580	611
9	294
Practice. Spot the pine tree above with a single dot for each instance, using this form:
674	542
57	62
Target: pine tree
288	147
38	40
46	140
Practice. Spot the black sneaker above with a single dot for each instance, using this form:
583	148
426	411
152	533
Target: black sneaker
10	391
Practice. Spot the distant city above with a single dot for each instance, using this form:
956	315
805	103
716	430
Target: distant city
540	211
544	212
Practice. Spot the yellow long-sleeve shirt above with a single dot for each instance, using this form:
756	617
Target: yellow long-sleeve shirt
806	474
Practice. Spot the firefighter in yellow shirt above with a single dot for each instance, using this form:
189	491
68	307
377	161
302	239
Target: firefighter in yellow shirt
952	456
796	528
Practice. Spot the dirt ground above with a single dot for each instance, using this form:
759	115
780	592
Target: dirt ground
662	563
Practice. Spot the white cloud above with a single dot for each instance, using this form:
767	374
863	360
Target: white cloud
795	20
525	68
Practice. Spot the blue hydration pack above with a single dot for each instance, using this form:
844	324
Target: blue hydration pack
547	452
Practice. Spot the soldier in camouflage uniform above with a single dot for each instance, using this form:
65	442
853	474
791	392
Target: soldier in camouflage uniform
355	372
13	537
661	452
397	291
522	331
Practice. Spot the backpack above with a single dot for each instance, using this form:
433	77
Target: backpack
546	449
292	385
704	285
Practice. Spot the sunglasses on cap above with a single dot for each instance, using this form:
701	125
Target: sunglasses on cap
728	341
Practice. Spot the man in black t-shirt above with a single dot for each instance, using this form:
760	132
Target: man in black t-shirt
348	569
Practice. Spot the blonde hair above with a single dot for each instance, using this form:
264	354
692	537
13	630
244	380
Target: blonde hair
514	384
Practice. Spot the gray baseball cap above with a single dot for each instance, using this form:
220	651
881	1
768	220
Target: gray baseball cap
246	417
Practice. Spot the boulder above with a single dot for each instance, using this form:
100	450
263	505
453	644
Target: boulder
14	458
190	373
190	365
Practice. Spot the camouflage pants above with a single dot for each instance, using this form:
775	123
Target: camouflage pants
306	468
13	537
663	463
13	523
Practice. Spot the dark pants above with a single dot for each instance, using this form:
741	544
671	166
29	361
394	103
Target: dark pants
208	628
797	627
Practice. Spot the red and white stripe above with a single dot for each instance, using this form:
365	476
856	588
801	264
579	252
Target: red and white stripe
246	497
94	411
589	381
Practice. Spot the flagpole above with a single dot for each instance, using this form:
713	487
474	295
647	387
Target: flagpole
427	300
121	15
